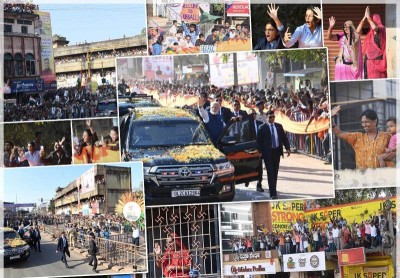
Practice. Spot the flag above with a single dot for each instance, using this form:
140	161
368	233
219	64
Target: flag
79	81
206	17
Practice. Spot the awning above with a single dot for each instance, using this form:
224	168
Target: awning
303	72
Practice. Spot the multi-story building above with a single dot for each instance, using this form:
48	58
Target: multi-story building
96	191
22	49
93	61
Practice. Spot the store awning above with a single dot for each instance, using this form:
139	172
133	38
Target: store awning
303	72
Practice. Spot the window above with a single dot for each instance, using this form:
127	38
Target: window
8	64
30	64
19	67
24	29
8	20
25	22
7	28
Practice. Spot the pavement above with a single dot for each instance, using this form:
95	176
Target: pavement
300	177
48	263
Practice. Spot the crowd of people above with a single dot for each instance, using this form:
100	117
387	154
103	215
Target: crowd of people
336	234
189	37
277	35
20	6
355	61
64	103
305	103
35	154
101	55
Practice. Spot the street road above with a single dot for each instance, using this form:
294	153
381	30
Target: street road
48	263
300	176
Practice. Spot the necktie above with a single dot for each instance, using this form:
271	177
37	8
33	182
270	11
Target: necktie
273	137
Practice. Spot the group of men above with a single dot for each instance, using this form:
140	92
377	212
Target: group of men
270	136
190	36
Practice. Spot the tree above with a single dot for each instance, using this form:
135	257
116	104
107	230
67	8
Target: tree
317	56
356	195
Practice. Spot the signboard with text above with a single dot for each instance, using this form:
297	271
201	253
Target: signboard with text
284	214
300	262
253	269
190	13
352	256
237	8
27	86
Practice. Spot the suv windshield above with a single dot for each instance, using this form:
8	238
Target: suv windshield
10	235
166	133
107	106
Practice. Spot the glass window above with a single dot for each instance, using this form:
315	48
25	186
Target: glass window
7	28
19	67
8	64
30	64
24	29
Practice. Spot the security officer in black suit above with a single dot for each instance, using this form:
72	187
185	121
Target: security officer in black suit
92	253
271	139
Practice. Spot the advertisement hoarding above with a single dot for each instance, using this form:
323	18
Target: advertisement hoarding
299	262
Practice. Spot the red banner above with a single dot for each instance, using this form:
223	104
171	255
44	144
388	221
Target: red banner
352	256
238	9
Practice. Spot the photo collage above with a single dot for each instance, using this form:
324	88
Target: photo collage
187	139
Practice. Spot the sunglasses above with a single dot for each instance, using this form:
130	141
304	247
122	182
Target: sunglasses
218	99
271	117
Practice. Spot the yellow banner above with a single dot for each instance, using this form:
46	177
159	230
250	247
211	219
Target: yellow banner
300	127
354	212
285	214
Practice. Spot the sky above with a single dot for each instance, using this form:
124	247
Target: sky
30	184
95	22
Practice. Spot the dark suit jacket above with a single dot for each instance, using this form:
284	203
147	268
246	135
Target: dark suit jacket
92	247
226	114
248	132
241	113
264	141
60	246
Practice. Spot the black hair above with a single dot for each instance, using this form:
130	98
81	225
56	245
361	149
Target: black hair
174	21
315	19
201	35
9	142
272	22
115	128
32	143
391	119
370	114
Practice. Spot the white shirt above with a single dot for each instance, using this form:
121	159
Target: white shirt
135	233
335	232
33	159
373	231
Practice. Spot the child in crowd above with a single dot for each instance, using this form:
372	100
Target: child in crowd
390	153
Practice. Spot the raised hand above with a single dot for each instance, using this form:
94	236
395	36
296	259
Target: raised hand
335	110
318	12
273	11
288	35
332	21
367	13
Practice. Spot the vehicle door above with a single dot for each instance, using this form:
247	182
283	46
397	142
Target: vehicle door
238	143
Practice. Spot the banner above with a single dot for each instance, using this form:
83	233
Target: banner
190	13
285	214
253	269
87	181
237	8
352	256
314	261
27	86
158	68
300	127
222	69
43	28
354	212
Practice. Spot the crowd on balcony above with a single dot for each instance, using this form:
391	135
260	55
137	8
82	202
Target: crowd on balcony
19	6
304	236
101	55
